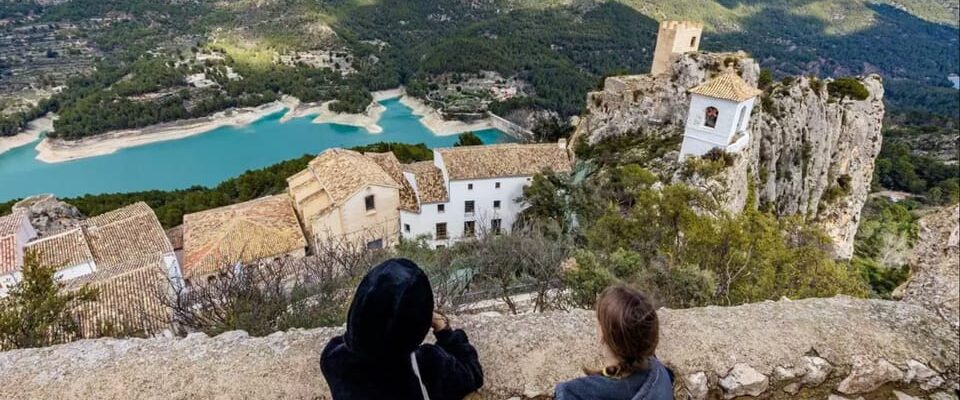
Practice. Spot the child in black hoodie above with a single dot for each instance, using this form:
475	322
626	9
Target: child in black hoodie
380	356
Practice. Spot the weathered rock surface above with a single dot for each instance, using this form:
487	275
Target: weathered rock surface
49	215
934	279
803	143
523	356
808	144
743	380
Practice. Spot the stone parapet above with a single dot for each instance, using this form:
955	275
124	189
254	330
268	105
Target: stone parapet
786	349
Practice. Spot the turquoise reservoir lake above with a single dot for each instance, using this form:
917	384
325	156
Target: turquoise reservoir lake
208	158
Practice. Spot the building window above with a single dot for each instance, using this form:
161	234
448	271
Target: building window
496	185
375	244
468	207
469	228
406	228
496	204
495	226
441	231
711	117
693	41
440	208
469	186
740	122
368	201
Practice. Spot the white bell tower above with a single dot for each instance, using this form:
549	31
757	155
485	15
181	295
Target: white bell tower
719	115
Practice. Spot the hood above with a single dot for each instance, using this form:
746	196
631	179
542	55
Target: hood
391	310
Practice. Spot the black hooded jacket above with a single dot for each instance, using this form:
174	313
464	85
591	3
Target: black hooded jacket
388	319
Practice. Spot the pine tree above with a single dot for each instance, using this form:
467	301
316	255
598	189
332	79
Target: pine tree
38	311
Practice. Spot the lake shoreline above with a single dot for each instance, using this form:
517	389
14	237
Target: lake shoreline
58	150
31	134
207	160
435	122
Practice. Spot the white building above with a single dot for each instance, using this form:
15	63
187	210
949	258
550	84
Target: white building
471	190
15	232
343	194
719	115
102	246
68	251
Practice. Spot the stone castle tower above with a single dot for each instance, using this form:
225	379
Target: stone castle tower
675	37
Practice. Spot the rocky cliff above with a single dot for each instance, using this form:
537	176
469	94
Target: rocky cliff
935	266
809	153
786	349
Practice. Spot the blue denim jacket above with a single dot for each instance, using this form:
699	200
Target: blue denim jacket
652	384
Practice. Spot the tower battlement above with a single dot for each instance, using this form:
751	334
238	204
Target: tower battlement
681	25
675	37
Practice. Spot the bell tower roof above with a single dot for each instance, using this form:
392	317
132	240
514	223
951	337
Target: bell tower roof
727	86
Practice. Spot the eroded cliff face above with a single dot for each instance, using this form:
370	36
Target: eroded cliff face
809	154
814	154
934	281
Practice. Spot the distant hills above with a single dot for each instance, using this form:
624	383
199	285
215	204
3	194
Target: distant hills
560	48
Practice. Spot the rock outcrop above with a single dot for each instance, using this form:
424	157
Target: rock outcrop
934	280
786	349
49	215
814	154
809	154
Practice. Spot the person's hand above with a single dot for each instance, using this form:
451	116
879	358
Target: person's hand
440	322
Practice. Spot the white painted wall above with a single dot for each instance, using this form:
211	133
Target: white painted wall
484	193
75	271
698	138
22	235
8	281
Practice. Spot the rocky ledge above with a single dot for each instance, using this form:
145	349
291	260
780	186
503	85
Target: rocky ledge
811	348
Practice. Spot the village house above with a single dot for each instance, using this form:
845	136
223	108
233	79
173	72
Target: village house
15	232
125	255
68	251
346	195
239	234
471	190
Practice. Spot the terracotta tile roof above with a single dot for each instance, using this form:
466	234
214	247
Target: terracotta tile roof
65	249
430	185
242	232
337	174
503	160
126	234
727	86
9	261
9	223
129	298
175	236
388	161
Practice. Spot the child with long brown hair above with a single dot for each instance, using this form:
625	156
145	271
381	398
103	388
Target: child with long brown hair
629	331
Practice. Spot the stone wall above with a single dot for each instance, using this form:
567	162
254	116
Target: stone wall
784	349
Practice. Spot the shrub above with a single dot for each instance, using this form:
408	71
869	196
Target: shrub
708	165
765	79
38	312
848	87
816	85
